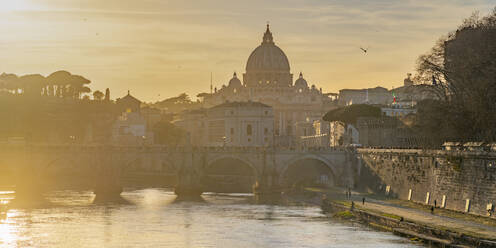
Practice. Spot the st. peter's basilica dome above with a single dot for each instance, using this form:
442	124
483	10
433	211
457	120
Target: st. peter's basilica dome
267	57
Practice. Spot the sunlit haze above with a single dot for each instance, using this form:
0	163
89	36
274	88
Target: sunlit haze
227	123
168	47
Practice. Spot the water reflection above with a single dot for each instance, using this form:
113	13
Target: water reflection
157	218
29	203
197	199
103	200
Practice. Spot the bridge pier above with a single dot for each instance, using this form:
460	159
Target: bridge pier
107	186
267	185
260	189
107	191
188	184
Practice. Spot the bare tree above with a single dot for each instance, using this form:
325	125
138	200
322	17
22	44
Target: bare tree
462	71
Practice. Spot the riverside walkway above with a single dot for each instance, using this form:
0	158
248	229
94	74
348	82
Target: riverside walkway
456	222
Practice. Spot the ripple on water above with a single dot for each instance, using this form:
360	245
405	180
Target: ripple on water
155	218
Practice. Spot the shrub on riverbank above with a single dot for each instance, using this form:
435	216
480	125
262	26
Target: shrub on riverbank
344	215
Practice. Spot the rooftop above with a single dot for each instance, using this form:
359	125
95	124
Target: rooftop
241	104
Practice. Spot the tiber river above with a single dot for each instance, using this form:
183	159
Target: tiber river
154	218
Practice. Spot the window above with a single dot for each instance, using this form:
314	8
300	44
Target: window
122	130
266	112
232	112
248	129
232	131
266	131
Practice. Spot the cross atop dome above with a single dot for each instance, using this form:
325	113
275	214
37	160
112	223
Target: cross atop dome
268	39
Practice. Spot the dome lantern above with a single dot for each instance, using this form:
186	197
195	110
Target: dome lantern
267	38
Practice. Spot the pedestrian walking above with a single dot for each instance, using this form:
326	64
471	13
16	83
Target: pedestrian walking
435	203
432	210
363	201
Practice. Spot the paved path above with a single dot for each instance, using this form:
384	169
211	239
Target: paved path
426	218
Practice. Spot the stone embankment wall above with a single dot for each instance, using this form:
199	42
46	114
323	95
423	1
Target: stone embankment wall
435	237
457	180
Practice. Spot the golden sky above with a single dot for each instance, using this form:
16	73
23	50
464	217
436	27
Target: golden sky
161	48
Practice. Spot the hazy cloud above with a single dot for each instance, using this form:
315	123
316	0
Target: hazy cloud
172	46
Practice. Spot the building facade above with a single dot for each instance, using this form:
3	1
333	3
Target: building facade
128	104
130	129
268	80
245	124
374	96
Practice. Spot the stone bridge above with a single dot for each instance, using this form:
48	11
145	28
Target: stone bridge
270	169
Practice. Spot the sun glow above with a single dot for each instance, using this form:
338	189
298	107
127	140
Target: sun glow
14	5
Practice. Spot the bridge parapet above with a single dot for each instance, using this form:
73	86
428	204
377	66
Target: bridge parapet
159	148
430	152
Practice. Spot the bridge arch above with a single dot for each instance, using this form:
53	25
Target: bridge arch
61	163
324	170
229	174
215	159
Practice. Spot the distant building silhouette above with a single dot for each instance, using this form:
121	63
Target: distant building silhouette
128	103
268	80
107	94
408	81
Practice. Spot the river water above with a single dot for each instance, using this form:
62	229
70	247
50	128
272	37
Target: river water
155	218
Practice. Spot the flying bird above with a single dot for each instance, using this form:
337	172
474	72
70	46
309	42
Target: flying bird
364	49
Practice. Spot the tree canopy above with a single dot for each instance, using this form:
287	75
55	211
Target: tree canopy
59	83
177	104
168	134
98	95
182	98
351	113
